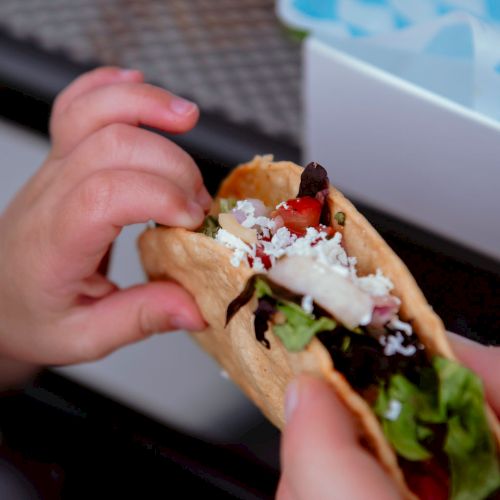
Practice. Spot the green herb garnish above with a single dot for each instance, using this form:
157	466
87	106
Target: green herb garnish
340	218
210	226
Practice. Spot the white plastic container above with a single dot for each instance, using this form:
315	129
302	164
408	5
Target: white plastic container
402	149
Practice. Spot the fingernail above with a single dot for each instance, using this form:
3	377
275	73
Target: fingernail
291	399
130	74
181	106
195	210
204	198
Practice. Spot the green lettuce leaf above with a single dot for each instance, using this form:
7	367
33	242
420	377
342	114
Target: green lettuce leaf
452	396
469	443
300	327
262	288
402	428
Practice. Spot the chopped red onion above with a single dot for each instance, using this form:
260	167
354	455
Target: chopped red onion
385	308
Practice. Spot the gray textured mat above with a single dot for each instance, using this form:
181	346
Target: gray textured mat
231	56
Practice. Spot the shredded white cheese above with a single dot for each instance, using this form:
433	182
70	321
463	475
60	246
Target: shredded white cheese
394	344
376	285
307	304
318	246
246	207
394	410
397	324
241	249
258	265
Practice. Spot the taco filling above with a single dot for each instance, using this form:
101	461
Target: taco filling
431	409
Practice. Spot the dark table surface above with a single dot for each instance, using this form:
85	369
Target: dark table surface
72	442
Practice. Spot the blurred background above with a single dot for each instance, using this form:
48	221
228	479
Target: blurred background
162	405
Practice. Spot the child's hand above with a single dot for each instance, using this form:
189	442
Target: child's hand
103	173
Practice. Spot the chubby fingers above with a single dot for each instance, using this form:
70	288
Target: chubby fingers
124	317
126	102
120	317
129	148
320	452
483	360
90	81
97	208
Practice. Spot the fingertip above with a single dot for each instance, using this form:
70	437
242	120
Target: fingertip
303	388
311	399
312	393
204	199
182	107
181	115
482	360
193	215
321	453
175	307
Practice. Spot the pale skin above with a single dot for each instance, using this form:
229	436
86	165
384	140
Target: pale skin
103	172
57	307
320	452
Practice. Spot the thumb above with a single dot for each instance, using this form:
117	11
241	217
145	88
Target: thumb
484	361
130	315
321	453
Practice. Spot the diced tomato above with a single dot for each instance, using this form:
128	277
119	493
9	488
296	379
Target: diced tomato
259	252
300	213
428	480
428	488
326	229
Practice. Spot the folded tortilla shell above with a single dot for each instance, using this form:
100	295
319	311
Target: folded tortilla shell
203	267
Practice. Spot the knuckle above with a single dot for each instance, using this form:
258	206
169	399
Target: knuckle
181	167
116	138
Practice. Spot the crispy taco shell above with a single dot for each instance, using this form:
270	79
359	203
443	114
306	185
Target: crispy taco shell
203	267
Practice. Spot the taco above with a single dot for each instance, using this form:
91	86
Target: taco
291	278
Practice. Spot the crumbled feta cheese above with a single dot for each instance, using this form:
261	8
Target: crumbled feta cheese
250	220
394	344
376	284
328	252
397	324
237	257
314	244
283	204
241	249
257	265
230	240
394	410
307	304
246	207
